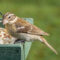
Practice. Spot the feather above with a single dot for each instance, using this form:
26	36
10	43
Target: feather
28	28
48	45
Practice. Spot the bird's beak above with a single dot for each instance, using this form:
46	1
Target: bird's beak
5	21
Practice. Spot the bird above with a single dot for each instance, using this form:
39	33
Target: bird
5	37
23	30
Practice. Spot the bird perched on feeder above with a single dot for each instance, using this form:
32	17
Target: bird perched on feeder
21	29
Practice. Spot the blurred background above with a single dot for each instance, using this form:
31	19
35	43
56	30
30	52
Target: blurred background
46	15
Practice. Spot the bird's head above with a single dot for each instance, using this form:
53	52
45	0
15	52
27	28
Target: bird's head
9	18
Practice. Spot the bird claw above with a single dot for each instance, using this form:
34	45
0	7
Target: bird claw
19	41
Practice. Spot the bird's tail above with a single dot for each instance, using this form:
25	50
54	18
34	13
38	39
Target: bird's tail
48	45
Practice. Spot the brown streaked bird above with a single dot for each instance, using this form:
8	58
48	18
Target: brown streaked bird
21	29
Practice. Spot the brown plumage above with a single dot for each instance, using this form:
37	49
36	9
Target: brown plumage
21	29
28	28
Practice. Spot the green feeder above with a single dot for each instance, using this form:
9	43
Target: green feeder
15	51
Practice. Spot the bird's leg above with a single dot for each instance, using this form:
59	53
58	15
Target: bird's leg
19	41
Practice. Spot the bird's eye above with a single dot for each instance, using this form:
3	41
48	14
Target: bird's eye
9	17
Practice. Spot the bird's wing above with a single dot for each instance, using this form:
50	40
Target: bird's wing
25	27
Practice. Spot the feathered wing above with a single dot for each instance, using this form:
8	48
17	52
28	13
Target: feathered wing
48	45
26	27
